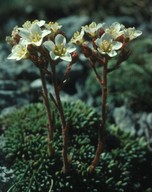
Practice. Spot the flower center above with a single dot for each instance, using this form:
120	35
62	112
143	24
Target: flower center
27	25
76	35
106	46
131	33
92	25
53	26
112	31
77	38
35	37
21	52
60	50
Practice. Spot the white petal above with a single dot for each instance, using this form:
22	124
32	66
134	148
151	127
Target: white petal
41	23
100	25
112	53
101	51
98	42
106	36
67	57
104	26
35	29
49	45
45	33
12	56
116	45
23	42
71	48
116	25
53	56
59	39
24	33
38	43
138	33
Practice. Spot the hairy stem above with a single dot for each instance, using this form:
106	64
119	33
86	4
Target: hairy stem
101	130
48	110
63	121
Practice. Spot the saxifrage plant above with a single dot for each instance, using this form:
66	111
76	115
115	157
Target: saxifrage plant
125	163
45	45
100	43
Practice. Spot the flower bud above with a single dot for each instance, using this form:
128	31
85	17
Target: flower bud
101	32
74	56
86	50
120	38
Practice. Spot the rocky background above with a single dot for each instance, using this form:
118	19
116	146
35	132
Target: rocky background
20	83
131	105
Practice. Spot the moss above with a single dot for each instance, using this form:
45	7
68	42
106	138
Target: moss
124	165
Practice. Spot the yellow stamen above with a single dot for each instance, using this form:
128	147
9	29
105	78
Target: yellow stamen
35	37
21	51
106	46
60	50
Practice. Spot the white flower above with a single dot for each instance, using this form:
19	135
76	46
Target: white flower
92	29
53	26
78	38
34	35
114	30
59	48
39	23
28	24
106	45
19	51
131	33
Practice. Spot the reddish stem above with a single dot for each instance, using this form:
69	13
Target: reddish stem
63	121
101	130
47	106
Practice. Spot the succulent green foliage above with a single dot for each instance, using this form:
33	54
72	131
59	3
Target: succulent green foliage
125	164
26	141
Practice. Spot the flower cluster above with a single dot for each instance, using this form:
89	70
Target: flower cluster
106	40
34	39
45	45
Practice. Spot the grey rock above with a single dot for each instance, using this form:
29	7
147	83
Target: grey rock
126	20
7	67
74	74
4	172
2	142
73	23
124	119
36	84
6	94
142	119
27	70
11	69
8	110
11	98
8	85
147	28
144	122
10	24
149	120
6	175
36	90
